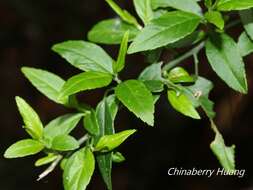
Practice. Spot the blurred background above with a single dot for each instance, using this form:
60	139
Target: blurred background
29	28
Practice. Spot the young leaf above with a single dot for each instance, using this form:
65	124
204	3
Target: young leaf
124	15
111	31
183	5
247	20
208	3
225	155
85	56
229	5
179	75
215	18
182	104
31	120
112	102
90	123
85	81
225	59
109	142
78	170
62	125
120	63
47	83
46	160
245	45
144	10
64	143
152	77
105	121
137	98
117	157
23	148
164	30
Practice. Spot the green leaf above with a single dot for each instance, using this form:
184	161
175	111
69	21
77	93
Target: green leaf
247	20
47	83
225	59
245	45
46	160
225	155
78	170
62	125
117	157
85	56
23	148
105	121
111	31
182	104
85	81
189	40
90	123
183	5
215	18
137	98
179	75
31	120
144	10
109	142
152	77
124	15
113	102
120	63
229	5
209	3
165	30
64	143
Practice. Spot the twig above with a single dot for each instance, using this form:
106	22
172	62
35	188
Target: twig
188	54
59	158
50	168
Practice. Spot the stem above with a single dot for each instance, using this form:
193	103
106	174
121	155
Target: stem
188	54
59	158
196	64
50	168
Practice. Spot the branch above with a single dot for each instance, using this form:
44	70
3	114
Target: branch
188	54
59	158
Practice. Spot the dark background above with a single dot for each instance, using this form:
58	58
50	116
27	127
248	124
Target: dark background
29	28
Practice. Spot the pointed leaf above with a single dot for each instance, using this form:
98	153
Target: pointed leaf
183	5
85	81
245	45
46	160
120	63
165	30
144	10
136	97
111	31
23	148
225	155
31	120
62	125
179	75
109	142
226	61
90	123
215	18
46	82
117	157
85	56
182	104
106	126
124	15
229	5
78	170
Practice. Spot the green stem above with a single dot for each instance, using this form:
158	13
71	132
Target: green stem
188	54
